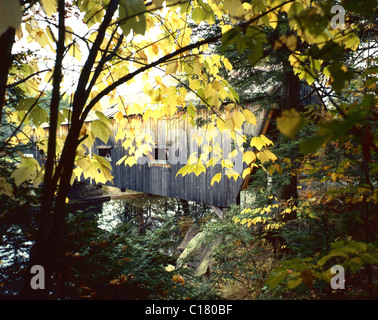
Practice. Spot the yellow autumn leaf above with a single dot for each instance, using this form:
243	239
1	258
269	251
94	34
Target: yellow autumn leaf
290	42
229	124
267	141
216	178
236	219
227	64
49	6
208	91
246	172
171	68
170	268
134	109
74	51
266	156
238	119
249	156
142	55
199	168
232	174
178	278
6	188
257	142
213	161
130	161
220	124
184	170
233	7
43	39
249	117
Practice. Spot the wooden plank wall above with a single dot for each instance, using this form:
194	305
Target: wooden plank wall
160	179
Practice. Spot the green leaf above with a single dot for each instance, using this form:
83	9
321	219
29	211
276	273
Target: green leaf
158	3
38	115
368	258
291	284
330	51
93	14
103	162
101	130
256	40
11	15
104	119
26	104
366	7
192	110
6	188
198	14
355	264
294	12
361	246
349	250
256	54
290	123
132	16
312	144
230	37
333	253
276	278
338	75
26	170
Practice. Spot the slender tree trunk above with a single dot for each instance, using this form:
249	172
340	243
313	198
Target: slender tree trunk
56	185
290	99
6	58
40	255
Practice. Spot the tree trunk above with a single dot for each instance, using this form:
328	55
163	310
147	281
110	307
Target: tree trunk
40	254
290	99
6	58
52	215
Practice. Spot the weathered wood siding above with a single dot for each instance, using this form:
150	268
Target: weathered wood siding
160	178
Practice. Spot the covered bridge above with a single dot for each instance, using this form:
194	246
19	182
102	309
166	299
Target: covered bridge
159	176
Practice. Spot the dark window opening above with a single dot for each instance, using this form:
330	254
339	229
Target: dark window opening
105	151
159	154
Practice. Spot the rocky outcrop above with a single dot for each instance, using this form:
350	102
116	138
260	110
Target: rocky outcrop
196	252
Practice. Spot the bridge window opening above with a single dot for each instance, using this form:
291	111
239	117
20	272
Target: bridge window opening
159	154
105	151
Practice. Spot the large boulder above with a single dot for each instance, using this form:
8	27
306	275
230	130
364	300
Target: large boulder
197	253
190	234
